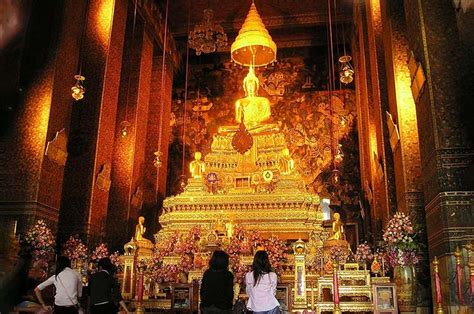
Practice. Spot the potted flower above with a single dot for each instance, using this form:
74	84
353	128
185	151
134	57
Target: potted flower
363	254
76	251
40	241
401	249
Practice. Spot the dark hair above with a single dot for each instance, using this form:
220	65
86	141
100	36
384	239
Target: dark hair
260	266
61	263
219	260
106	264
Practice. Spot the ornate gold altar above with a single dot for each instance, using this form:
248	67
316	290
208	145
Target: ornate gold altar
249	179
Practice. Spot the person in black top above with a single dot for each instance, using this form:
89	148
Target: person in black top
217	285
104	290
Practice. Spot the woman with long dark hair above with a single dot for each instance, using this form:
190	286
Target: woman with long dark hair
261	285
217	285
68	286
104	290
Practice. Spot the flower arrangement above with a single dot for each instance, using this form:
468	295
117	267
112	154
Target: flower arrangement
399	236
338	255
99	252
276	252
74	248
114	258
363	253
41	240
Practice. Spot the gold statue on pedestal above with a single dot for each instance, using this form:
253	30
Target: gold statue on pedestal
337	228
197	166
252	108
338	238
140	229
287	164
144	246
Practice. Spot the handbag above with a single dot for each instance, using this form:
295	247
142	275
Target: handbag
79	308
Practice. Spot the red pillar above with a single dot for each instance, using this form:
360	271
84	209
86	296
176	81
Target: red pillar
84	203
129	161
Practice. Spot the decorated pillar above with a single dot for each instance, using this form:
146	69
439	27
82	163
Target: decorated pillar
401	120
34	129
444	118
372	101
157	138
299	251
128	281
129	160
87	173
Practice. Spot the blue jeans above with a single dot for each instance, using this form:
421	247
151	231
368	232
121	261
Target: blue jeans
276	310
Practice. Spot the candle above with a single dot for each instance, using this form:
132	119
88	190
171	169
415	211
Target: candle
457	254
140	287
439	298
383	266
335	282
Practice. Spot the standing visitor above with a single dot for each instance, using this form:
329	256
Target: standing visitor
261	284
104	290
68	288
217	285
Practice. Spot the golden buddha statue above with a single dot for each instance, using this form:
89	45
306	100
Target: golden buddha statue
287	164
337	228
252	108
229	227
197	166
140	229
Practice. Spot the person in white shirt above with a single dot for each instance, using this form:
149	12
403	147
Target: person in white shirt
261	285
68	286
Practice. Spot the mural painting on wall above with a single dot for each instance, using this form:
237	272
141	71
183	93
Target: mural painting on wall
312	124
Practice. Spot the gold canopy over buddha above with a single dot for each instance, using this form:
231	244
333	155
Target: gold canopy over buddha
254	45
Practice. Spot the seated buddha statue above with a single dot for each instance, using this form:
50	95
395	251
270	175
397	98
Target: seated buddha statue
337	228
139	232
253	109
197	166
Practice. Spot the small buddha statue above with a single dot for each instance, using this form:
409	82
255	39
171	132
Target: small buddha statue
337	228
287	164
252	108
197	166
140	229
229	227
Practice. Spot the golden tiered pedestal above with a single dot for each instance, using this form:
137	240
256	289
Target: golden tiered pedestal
259	190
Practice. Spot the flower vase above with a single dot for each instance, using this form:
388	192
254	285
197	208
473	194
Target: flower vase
405	281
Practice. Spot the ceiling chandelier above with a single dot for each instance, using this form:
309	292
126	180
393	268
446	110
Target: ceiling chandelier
207	36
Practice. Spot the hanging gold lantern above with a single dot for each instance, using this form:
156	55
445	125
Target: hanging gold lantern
124	130
346	72
78	90
253	45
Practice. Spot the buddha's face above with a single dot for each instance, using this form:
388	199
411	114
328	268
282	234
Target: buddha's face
141	219
336	216
197	155
251	83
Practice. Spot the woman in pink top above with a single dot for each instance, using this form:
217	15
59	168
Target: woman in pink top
261	285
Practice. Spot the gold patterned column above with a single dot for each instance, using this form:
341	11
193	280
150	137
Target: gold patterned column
299	251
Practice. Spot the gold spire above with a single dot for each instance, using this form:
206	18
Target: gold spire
253	45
